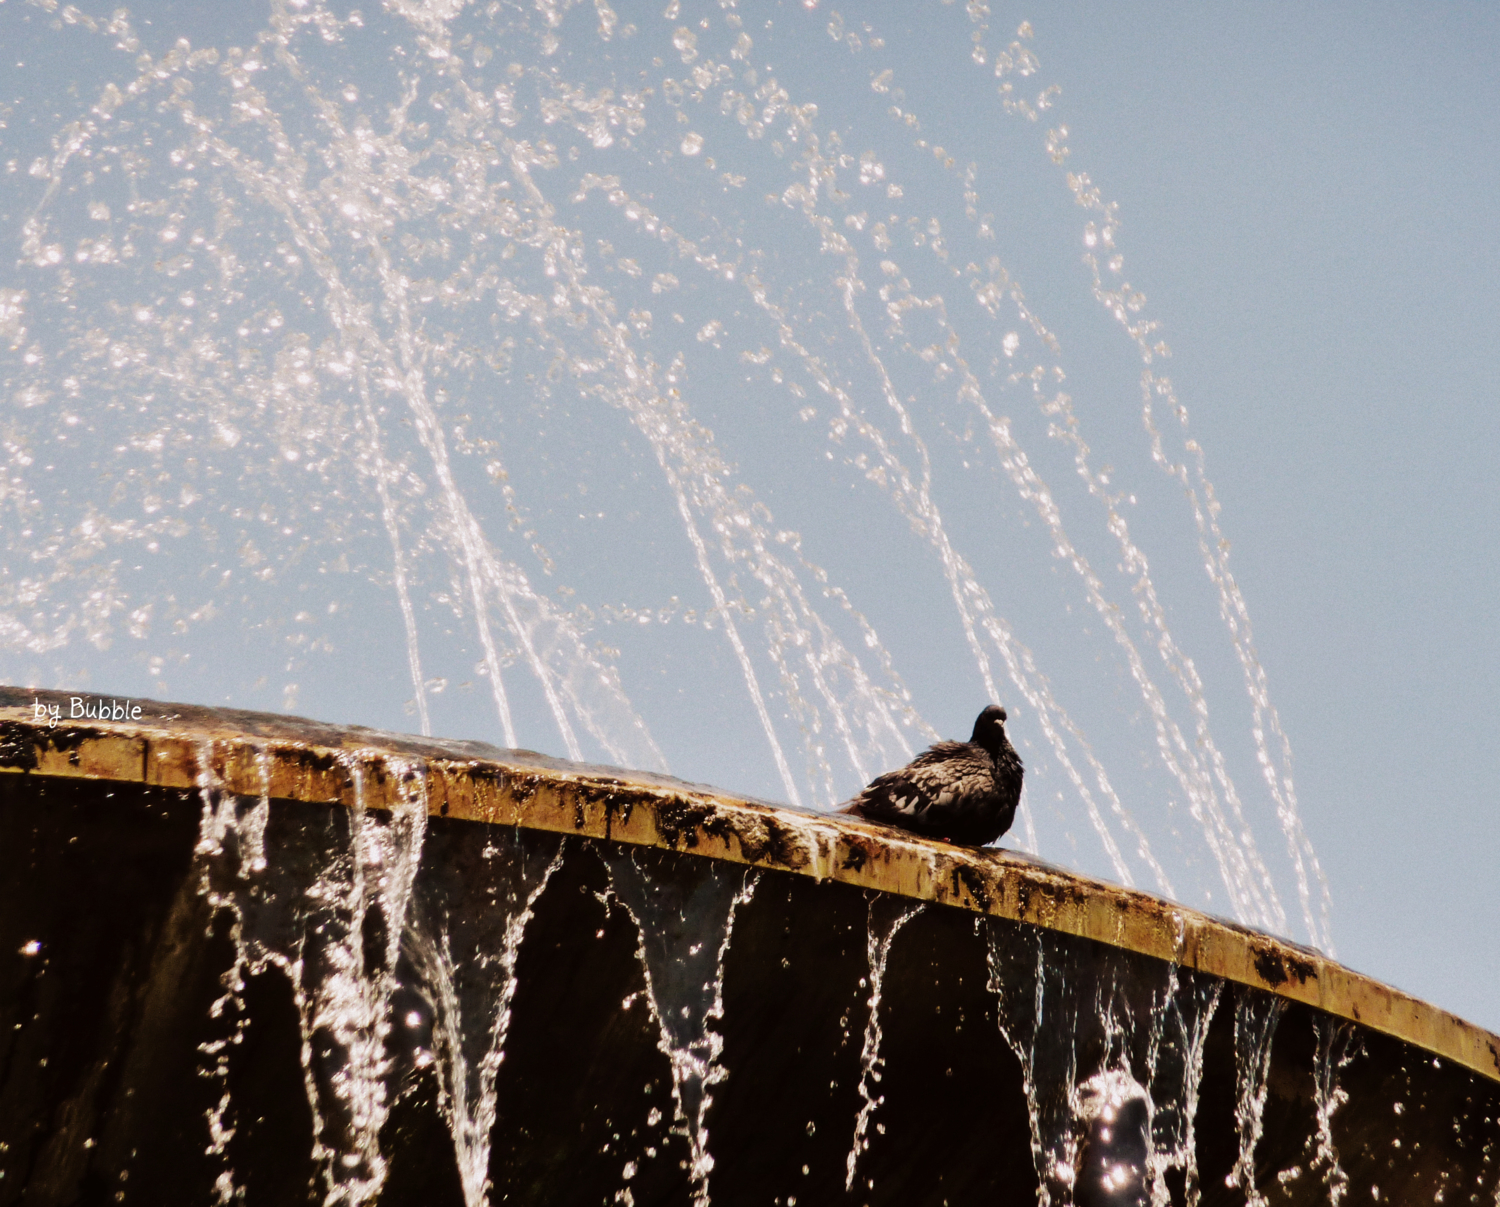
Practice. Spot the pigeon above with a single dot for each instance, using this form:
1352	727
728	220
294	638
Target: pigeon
960	792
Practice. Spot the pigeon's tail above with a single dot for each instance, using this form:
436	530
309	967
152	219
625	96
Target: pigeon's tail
851	807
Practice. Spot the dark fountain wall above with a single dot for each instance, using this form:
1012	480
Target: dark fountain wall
179	1025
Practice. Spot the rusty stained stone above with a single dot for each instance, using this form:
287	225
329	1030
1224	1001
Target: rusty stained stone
515	788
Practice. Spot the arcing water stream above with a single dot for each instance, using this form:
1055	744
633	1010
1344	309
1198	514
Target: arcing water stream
636	386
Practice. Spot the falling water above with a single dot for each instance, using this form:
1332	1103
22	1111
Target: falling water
1337	1046
887	916
331	922
1255	1018
436	977
684	925
1111	1053
660	389
1178	1032
463	945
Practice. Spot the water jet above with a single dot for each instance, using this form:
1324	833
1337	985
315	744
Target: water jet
662	393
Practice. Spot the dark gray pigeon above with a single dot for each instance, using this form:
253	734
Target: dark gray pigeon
961	792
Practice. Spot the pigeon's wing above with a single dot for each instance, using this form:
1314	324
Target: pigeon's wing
892	797
919	794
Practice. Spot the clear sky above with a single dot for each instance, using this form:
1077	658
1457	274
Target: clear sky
746	371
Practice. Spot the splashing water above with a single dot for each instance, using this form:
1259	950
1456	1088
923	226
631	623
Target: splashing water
684	924
887	916
1337	1046
1112	1110
1111	1054
662	392
331	923
464	960
1256	1016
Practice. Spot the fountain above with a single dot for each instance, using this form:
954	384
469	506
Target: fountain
253	958
663	392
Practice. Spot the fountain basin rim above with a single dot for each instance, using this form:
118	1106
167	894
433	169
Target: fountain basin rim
287	758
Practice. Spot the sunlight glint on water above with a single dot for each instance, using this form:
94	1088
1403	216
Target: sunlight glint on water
887	915
684	927
652	385
464	960
312	917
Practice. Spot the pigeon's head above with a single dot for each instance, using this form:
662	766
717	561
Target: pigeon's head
989	728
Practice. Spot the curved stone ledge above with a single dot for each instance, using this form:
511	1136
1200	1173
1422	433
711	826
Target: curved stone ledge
286	758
